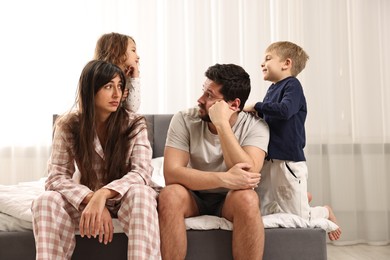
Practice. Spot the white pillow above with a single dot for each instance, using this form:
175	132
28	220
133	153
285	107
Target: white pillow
207	222
158	180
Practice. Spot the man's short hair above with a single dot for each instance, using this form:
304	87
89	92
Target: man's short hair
234	80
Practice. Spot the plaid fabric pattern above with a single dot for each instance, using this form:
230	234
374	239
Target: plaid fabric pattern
57	211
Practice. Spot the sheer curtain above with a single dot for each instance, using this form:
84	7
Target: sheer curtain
45	44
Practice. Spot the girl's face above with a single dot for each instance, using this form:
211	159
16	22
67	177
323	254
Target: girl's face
272	67
132	57
107	99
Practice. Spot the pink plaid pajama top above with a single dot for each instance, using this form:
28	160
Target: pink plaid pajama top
57	211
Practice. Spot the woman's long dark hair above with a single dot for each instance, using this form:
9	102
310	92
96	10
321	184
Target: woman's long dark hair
118	130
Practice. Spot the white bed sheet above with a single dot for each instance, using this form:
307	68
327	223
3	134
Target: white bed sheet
15	210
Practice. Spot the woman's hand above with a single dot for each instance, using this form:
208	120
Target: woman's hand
106	231
91	217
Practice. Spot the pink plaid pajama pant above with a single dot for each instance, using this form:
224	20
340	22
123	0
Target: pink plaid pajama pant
55	222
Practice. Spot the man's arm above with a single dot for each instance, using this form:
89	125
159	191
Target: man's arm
233	153
177	172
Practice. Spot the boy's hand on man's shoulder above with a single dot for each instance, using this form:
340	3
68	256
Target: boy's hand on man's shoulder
249	108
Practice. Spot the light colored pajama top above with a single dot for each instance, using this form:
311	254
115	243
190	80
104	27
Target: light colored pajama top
57	211
61	166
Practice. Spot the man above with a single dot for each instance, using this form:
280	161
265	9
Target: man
212	162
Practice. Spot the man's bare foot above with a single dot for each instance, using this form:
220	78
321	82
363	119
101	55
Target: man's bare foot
333	235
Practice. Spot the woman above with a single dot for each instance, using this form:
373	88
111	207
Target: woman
121	50
108	148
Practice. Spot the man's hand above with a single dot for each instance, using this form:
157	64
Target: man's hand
220	113
238	178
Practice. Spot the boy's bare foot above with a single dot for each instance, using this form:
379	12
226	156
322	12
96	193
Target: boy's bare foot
333	235
309	197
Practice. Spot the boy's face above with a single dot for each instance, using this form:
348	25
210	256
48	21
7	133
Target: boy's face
273	67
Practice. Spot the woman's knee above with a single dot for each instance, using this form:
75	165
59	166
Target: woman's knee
46	199
140	193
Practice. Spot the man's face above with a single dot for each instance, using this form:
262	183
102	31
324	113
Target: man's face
211	94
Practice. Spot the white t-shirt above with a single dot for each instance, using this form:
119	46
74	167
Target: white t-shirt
189	133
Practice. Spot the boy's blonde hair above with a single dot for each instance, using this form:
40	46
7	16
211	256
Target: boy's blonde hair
288	50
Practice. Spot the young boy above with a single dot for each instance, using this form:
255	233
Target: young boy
283	185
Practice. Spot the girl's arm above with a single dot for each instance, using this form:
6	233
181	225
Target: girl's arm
133	99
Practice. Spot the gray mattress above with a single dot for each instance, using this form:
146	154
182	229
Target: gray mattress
280	244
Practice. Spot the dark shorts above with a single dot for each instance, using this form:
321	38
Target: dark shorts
209	203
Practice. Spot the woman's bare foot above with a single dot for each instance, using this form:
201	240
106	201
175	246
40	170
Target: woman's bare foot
333	235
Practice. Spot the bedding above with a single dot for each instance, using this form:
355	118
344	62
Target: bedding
280	243
15	213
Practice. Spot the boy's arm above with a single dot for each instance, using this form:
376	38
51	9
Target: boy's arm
249	108
288	105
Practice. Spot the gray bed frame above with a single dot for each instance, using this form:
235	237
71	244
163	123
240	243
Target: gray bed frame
280	243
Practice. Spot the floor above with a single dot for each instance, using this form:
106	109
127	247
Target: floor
358	252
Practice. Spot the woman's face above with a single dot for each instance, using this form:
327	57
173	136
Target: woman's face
107	99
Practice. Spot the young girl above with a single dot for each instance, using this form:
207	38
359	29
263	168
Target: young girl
121	50
109	148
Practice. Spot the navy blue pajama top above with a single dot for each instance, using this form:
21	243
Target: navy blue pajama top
284	109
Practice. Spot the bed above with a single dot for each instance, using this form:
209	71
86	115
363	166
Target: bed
209	237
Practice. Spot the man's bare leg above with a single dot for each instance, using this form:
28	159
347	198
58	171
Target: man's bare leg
174	204
242	208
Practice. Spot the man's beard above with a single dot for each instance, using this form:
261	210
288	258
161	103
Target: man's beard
206	118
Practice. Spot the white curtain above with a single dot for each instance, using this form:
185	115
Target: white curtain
45	44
